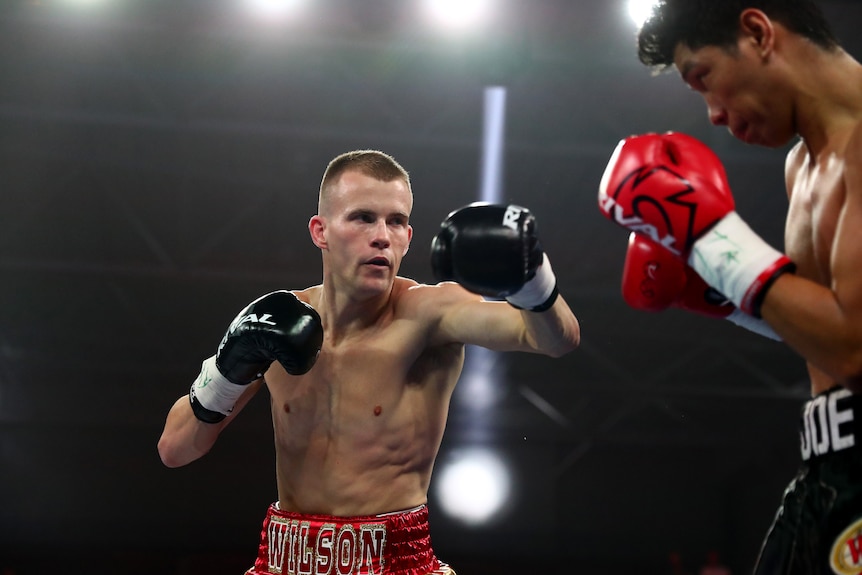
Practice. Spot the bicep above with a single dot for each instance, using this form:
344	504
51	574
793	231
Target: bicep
467	318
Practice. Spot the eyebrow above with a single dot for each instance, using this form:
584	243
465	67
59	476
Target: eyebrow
369	211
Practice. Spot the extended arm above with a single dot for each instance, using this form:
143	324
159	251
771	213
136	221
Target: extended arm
494	251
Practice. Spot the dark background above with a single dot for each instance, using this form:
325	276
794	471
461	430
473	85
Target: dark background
159	162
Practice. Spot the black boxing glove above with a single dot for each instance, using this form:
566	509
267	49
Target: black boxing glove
493	250
276	326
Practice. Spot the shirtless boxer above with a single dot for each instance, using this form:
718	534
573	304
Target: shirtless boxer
361	368
770	71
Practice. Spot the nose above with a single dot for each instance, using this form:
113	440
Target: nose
380	237
717	114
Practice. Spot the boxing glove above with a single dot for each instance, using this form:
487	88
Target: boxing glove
654	280
276	326
673	189
494	250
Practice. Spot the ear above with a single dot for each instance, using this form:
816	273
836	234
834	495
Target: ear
409	239
757	29
317	229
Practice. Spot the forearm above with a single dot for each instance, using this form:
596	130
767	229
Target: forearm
554	332
811	319
185	438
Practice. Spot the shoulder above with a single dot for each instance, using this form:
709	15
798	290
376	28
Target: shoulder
308	295
410	289
412	297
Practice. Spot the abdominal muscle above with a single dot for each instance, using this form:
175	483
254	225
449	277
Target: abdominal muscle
362	443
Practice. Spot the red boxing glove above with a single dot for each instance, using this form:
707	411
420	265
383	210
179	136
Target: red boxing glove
669	187
673	189
654	280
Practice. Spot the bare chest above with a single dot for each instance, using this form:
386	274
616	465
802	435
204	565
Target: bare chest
362	387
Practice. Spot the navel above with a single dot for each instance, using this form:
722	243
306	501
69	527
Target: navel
286	407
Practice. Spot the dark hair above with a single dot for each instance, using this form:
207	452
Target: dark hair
699	23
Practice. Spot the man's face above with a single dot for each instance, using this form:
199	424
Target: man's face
366	231
741	92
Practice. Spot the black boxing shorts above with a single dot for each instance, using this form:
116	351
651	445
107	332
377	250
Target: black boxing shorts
388	544
818	528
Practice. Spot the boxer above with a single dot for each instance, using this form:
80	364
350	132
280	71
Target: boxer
770	71
361	368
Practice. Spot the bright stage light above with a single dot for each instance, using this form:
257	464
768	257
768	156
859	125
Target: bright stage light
473	486
640	10
457	13
274	9
84	3
479	388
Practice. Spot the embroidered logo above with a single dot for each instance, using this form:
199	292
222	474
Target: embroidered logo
299	548
846	555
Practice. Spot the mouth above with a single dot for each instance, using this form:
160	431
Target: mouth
380	262
740	132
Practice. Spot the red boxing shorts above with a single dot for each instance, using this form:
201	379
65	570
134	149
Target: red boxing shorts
388	544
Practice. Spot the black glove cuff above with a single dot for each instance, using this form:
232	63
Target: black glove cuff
204	414
546	305
761	295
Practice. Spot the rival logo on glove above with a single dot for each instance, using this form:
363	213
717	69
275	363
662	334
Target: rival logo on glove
512	216
648	281
626	199
252	317
239	320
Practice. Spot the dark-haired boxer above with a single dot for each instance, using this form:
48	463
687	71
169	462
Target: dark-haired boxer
361	368
770	71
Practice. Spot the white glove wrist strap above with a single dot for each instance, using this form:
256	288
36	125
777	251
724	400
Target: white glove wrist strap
213	390
536	292
753	324
736	262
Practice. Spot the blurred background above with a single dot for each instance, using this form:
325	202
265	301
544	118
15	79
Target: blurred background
159	162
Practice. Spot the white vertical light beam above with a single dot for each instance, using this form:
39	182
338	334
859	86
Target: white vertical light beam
493	140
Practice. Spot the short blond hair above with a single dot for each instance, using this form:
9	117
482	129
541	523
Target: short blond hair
373	163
